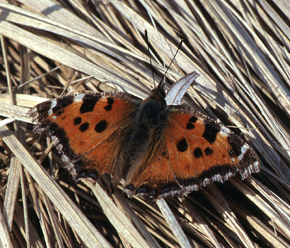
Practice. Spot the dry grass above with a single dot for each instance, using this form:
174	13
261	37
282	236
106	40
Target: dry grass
241	51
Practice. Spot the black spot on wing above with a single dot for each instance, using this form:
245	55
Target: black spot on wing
62	103
108	107
197	153
110	103
182	145
208	151
89	102
210	131
101	126
110	100
77	121
190	124
84	127
192	119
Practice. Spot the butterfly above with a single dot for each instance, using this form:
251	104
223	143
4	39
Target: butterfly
158	149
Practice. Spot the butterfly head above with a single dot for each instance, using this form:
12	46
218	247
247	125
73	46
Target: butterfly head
159	91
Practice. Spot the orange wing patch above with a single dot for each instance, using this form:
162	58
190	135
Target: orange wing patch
204	151
194	149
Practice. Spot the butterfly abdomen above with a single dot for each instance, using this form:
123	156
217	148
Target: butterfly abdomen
147	129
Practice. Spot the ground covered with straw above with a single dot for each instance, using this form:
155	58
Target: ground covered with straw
240	49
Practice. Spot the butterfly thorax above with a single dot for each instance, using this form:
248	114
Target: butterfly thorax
149	120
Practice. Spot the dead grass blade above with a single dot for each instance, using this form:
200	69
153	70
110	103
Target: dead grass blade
173	223
118	219
4	236
64	204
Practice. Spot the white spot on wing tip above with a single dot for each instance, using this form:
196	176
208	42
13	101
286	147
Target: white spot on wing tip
256	167
225	131
53	104
78	98
244	149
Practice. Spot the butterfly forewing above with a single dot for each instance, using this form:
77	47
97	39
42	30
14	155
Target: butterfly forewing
86	128
205	151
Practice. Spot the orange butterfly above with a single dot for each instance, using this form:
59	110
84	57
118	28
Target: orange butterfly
159	150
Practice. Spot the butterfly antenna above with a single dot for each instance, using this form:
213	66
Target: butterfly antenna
150	57
162	80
